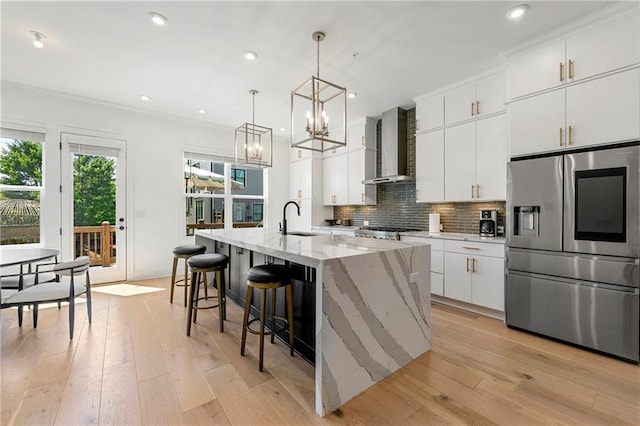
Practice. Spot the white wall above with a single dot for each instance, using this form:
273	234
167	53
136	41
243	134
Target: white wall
155	201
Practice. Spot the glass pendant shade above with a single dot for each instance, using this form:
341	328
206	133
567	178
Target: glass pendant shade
318	113
254	143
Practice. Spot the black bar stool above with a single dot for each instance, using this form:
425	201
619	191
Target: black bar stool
268	277
201	264
183	252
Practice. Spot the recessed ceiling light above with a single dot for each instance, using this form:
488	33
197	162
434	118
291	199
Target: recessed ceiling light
38	38
352	95
250	55
202	111
158	19
144	97
517	12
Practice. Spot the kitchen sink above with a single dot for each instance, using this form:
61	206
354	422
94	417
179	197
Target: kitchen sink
302	233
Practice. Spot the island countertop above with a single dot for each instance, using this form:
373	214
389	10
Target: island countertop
304	250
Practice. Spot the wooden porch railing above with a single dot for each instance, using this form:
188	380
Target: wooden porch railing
97	242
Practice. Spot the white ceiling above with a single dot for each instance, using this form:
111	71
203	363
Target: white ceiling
387	52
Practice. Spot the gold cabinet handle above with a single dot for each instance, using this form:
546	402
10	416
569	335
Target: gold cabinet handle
561	71
571	68
471	248
473	264
472	109
299	193
467	264
477	191
477	107
570	135
472	192
560	136
363	140
363	197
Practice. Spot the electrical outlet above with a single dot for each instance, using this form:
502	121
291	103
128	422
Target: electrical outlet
366	223
413	277
501	230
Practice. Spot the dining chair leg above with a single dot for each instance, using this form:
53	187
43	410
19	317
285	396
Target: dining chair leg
194	277
186	275
72	315
263	301
88	298
220	299
273	314
20	310
35	315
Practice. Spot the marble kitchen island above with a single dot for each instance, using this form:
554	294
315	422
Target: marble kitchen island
372	302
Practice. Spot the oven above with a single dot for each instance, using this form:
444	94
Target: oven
601	202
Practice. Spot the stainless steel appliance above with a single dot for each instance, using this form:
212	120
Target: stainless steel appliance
381	232
488	223
573	248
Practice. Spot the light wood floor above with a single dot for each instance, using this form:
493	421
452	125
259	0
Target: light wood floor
135	365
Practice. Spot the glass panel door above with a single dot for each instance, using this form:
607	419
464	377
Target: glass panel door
93	204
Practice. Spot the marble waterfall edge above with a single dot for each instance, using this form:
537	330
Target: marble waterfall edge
376	318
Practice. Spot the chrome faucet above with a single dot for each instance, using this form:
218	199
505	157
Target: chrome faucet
284	215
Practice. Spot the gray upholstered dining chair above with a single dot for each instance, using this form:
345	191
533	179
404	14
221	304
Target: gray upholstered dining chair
66	289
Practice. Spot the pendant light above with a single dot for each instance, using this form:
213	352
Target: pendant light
318	111
254	143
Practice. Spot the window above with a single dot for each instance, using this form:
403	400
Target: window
239	175
21	184
257	212
205	180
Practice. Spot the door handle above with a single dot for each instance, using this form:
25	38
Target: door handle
470	248
472	108
477	191
571	68
467	264
570	135
473	264
477	107
561	71
472	191
560	136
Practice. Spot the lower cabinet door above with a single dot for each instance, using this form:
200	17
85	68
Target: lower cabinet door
487	283
457	276
437	284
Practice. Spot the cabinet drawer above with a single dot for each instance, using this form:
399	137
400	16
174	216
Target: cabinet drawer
437	261
471	248
437	284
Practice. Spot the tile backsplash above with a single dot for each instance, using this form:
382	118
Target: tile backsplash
396	202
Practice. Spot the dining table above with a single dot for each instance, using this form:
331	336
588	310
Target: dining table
11	256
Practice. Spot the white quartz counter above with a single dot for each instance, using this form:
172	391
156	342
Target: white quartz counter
308	251
454	236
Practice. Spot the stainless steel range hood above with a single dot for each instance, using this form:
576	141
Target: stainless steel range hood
393	148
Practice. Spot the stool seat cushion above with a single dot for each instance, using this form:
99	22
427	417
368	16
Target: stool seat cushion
189	249
269	274
208	260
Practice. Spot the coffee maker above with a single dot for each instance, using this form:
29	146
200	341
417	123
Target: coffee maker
488	223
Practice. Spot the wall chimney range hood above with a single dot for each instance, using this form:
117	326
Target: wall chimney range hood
393	148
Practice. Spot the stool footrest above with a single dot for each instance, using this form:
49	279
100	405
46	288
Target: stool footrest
269	318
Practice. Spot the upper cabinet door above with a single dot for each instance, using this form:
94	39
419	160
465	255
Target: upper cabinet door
537	123
430	167
607	47
604	110
460	162
459	104
490	95
429	113
537	69
491	158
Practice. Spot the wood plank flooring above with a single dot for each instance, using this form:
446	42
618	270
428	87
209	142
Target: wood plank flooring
135	365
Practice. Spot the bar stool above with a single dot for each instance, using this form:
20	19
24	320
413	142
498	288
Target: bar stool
268	277
183	252
201	264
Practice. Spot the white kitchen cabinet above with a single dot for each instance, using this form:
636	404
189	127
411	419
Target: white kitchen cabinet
609	46
430	167
362	134
335	175
429	113
437	261
474	273
301	178
362	165
598	111
475	160
479	99
305	188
